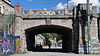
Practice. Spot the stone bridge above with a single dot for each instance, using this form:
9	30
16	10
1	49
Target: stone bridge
28	23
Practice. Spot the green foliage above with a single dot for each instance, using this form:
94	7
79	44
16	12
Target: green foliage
59	43
52	36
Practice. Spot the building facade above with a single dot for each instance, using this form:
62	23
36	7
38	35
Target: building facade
86	44
6	25
6	7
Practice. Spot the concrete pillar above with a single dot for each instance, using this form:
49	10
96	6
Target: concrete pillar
99	29
19	31
23	42
75	40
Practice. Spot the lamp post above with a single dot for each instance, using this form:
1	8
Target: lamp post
88	30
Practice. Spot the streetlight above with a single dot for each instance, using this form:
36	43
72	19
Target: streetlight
88	17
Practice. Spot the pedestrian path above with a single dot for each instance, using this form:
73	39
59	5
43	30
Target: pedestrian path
52	54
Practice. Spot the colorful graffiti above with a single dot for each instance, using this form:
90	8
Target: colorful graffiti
17	44
94	46
6	44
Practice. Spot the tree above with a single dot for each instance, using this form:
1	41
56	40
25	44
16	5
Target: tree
52	36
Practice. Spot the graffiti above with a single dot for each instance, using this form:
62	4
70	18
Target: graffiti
17	44
94	46
6	45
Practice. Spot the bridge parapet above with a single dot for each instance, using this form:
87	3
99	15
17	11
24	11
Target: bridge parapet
58	13
44	12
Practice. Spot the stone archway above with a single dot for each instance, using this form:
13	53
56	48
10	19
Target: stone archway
64	31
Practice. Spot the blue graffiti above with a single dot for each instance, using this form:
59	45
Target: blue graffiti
6	45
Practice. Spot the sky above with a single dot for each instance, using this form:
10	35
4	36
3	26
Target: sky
51	4
38	4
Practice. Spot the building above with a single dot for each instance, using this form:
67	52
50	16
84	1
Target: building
6	21
86	44
6	7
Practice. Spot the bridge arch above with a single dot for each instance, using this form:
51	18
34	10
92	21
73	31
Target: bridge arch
64	31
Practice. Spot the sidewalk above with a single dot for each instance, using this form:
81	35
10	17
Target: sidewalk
52	54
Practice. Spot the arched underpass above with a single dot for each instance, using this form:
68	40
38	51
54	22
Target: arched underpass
64	31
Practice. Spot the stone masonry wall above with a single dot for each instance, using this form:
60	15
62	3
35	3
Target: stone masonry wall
21	25
93	41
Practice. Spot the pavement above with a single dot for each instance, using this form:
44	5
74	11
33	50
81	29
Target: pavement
53	54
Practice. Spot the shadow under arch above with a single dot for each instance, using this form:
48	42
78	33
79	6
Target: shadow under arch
64	31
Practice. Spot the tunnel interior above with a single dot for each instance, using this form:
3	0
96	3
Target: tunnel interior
64	31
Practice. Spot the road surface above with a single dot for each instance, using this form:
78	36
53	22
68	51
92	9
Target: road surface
52	54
